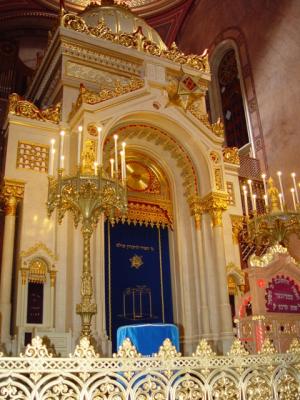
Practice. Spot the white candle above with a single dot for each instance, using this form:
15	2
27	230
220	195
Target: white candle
246	201
61	148
51	160
294	199
266	200
279	173
293	175
254	202
99	129
62	162
123	147
79	145
249	181
116	155
122	164
265	184
112	167
281	202
95	167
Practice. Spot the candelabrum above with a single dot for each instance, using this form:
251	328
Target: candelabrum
87	194
276	224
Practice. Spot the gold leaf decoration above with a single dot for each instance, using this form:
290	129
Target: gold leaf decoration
167	351
84	349
267	348
127	350
24	108
237	349
204	350
36	349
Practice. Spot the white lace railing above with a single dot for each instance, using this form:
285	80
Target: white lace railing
165	376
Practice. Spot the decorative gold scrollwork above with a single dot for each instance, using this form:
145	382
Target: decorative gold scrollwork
24	108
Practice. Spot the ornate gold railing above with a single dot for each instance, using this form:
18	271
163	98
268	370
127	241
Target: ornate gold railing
165	376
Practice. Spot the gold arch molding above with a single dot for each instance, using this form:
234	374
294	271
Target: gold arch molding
161	138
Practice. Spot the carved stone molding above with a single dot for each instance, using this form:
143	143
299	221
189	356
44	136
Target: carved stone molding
237	226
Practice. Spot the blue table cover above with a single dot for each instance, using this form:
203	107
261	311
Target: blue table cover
147	338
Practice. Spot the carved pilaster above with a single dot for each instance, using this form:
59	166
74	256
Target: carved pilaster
215	203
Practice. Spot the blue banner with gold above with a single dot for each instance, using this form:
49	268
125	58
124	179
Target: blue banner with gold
138	282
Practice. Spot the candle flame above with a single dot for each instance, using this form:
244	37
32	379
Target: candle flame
52	141
279	173
263	176
62	133
80	128
293	175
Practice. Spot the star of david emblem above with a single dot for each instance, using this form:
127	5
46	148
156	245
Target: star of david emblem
136	261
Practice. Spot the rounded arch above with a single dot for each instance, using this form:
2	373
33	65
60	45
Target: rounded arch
219	53
191	154
234	37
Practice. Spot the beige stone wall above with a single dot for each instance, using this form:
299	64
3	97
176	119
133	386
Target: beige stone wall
271	31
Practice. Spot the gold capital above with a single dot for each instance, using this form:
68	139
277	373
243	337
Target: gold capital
215	203
10	206
11	191
52	278
196	209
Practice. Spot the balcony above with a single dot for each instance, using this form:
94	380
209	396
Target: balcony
164	376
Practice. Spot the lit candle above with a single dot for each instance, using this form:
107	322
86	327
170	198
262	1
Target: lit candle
245	201
116	155
279	174
123	147
51	161
122	164
112	167
61	148
293	175
294	199
62	162
281	202
249	181
95	167
254	202
99	129
266	200
265	183
79	145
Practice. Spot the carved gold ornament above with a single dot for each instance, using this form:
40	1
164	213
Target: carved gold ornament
237	349
196	209
231	155
36	349
267	348
136	40
89	97
215	204
24	108
237	223
11	191
167	351
127	350
84	350
204	350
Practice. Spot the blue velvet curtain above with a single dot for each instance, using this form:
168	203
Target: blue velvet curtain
137	276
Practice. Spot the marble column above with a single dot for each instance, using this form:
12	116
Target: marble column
205	329
7	267
215	204
226	333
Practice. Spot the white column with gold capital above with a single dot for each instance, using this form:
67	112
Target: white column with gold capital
7	267
216	204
